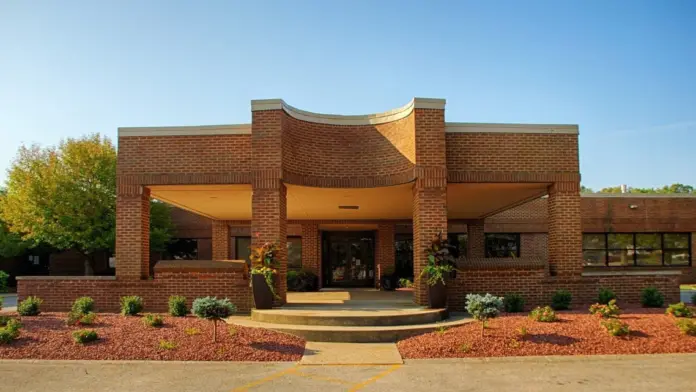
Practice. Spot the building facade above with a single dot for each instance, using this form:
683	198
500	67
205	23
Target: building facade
356	197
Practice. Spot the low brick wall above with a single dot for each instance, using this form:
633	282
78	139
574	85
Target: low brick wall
192	279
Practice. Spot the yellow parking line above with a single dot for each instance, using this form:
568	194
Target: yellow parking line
321	378
266	379
361	385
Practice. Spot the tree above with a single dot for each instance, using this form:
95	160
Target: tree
213	309
65	197
667	189
584	189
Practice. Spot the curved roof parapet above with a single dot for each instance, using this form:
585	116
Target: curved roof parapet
337	119
196	130
457	127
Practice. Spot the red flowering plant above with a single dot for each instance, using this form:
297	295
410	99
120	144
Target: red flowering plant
441	262
264	261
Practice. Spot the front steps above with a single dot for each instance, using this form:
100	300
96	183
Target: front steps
342	324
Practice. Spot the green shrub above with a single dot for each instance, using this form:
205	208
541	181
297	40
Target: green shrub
75	318
10	331
131	305
166	345
693	299
177	306
4	277
483	307
1	303
302	281
405	283
4	320
561	300
83	336
544	315
605	295
651	297
610	310
83	305
30	306
213	309
192	331
616	327
686	326
513	303
153	320
679	310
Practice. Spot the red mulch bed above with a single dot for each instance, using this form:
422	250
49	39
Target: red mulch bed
576	333
47	336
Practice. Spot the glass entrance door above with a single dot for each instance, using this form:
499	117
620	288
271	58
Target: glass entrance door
348	258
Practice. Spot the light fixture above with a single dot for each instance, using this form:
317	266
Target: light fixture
633	206
348	207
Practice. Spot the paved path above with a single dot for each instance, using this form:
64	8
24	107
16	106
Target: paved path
647	373
9	302
686	295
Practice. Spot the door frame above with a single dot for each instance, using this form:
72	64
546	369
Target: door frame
325	244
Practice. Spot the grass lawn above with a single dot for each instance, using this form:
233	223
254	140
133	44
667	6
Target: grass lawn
688	287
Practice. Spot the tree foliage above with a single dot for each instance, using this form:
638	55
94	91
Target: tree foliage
65	196
667	189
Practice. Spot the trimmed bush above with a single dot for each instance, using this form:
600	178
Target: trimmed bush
302	281
4	277
561	300
131	305
543	315
610	310
30	306
4	320
10	331
83	336
177	306
605	295
513	303
616	327
483	307
153	320
81	319
693	299
213	309
686	326
679	310
651	297
83	305
166	345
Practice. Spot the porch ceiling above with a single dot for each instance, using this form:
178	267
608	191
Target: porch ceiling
479	200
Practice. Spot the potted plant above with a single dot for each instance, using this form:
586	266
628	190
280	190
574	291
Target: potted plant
389	280
264	268
440	266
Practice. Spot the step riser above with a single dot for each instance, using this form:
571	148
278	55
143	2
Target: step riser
355	336
348	321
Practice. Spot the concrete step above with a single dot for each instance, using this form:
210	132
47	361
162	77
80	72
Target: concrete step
353	334
349	317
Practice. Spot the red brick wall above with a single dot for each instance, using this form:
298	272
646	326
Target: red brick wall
386	256
311	256
221	240
565	230
475	239
534	245
133	233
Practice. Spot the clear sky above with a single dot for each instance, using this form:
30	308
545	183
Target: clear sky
625	71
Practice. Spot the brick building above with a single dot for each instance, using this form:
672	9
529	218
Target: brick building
354	197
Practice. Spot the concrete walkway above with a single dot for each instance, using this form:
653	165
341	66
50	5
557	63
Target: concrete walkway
643	373
9	302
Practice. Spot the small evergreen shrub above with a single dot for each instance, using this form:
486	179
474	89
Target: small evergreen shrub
405	283
651	297
605	295
83	336
177	306
131	305
192	331
4	277
153	320
10	330
686	326
81	319
616	327
679	310
610	310
543	315
561	300
693	299
83	305
213	309
483	307
513	303
4	320
302	281
30	306
166	345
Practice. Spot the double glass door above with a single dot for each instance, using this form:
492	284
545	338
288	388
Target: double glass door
348	258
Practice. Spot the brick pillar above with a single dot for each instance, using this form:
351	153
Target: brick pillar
310	248
430	188
476	240
386	256
268	201
221	240
133	232
565	229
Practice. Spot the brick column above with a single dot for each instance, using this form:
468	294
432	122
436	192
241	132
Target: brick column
133	232
221	240
430	188
386	256
476	239
311	260
565	229
269	224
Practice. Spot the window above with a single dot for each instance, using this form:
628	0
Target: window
294	253
502	245
636	249
241	248
458	241
183	249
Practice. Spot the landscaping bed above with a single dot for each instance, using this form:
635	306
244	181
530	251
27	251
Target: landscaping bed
575	333
47	336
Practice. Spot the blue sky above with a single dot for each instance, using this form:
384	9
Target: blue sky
625	71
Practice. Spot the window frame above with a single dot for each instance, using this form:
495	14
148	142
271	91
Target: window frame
485	245
635	249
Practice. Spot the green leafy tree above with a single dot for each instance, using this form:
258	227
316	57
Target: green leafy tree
65	196
585	189
667	189
11	244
